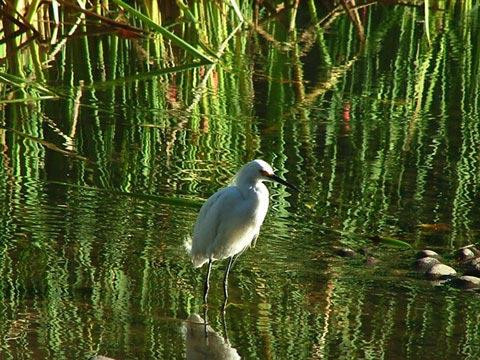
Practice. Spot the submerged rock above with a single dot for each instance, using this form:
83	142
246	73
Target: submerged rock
427	253
466	282
440	271
426	263
473	267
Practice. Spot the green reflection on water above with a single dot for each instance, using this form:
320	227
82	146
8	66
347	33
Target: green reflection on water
101	186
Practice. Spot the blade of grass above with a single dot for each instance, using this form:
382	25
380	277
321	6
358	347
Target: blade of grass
390	241
427	22
50	145
27	99
188	14
187	202
20	82
144	76
237	10
103	19
160	29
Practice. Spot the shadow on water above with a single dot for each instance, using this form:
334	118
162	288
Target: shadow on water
107	149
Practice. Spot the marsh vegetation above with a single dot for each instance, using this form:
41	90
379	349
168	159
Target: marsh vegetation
117	120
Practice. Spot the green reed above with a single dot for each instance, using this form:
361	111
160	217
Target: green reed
150	129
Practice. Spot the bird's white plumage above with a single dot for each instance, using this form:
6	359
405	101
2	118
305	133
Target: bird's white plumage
231	218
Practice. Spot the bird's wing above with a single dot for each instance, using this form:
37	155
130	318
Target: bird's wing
216	208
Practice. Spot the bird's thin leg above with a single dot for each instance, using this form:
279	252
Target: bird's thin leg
207	282
225	282
205	323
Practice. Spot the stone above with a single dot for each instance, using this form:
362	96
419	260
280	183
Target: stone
465	254
466	282
472	267
425	264
345	252
427	253
473	249
440	271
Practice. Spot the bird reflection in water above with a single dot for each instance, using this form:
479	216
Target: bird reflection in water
202	342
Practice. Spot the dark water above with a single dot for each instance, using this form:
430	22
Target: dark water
101	185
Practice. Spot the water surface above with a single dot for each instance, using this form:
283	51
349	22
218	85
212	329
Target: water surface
101	185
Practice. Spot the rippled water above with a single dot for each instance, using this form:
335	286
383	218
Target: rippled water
101	186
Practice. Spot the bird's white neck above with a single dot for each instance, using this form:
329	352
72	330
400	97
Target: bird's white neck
256	188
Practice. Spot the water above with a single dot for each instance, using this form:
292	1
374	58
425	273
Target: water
101	185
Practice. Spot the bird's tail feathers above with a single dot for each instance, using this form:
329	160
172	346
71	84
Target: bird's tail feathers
197	259
187	244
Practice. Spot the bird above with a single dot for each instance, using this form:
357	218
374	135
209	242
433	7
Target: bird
230	220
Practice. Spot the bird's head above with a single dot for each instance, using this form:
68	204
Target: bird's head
259	170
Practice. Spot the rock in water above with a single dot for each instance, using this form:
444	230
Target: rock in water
466	282
427	253
345	252
473	267
440	271
425	264
465	254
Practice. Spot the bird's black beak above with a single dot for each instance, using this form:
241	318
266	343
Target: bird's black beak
279	180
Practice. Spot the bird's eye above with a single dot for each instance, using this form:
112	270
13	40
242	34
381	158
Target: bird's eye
264	172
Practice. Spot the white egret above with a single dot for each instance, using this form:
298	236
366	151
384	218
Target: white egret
231	218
